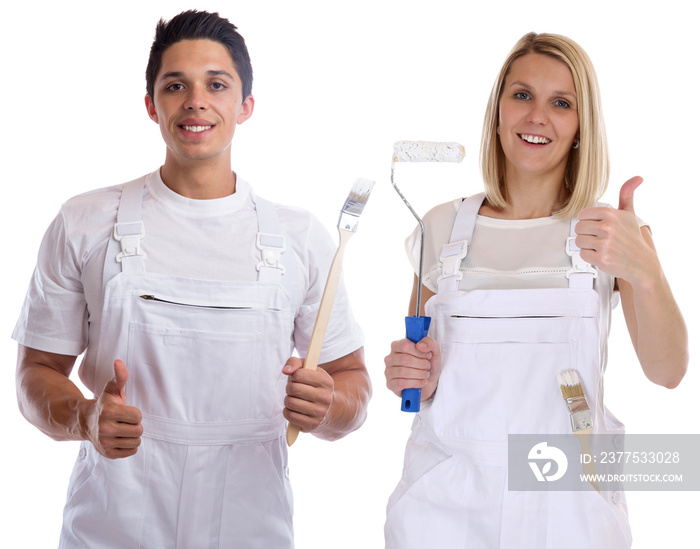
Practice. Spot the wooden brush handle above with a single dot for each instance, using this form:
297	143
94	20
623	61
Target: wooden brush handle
584	437
322	317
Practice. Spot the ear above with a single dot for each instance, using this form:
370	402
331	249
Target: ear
151	108
246	109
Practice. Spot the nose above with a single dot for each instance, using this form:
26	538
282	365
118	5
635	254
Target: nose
196	100
537	114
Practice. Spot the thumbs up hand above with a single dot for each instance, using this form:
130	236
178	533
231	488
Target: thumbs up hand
113	427
611	239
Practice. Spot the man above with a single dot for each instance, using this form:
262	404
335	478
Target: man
187	293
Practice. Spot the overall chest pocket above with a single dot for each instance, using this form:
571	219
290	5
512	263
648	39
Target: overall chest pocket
191	375
203	363
500	374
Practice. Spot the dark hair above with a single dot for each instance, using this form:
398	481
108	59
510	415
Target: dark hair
199	25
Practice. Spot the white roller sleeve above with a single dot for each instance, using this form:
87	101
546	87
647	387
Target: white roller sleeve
428	151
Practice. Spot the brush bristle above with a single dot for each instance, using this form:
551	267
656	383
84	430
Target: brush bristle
357	199
570	384
361	190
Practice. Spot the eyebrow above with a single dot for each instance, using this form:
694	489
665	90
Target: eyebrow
178	74
528	87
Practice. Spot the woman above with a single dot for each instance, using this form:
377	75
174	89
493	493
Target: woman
523	292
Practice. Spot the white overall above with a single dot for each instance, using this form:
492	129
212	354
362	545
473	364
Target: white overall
501	352
205	361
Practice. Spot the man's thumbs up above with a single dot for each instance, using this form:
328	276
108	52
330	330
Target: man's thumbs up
113	427
116	385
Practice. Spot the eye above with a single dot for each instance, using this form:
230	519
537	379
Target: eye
523	96
174	87
218	86
562	104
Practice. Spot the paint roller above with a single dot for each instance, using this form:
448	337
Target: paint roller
420	151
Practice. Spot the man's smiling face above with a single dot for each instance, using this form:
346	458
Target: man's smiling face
198	100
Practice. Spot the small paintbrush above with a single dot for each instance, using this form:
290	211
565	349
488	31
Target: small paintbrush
581	421
347	225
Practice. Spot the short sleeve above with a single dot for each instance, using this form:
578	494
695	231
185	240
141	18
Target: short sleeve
54	313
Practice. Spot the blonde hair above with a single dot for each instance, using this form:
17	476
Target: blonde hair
587	169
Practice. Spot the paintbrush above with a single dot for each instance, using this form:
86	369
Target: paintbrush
347	225
581	421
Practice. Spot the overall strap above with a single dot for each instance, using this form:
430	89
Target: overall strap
272	243
456	249
124	253
582	273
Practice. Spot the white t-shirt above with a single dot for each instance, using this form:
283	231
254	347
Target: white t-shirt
202	239
507	254
503	253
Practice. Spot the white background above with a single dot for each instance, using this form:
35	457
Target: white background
335	85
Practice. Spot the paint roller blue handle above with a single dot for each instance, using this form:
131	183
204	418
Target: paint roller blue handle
416	329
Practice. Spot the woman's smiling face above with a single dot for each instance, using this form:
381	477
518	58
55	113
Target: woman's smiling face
538	117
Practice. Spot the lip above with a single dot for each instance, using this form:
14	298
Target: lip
195	122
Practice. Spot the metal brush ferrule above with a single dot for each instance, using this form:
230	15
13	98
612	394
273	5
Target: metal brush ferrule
348	219
580	413
581	420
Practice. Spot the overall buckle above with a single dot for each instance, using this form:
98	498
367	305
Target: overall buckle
271	246
131	241
451	259
580	266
